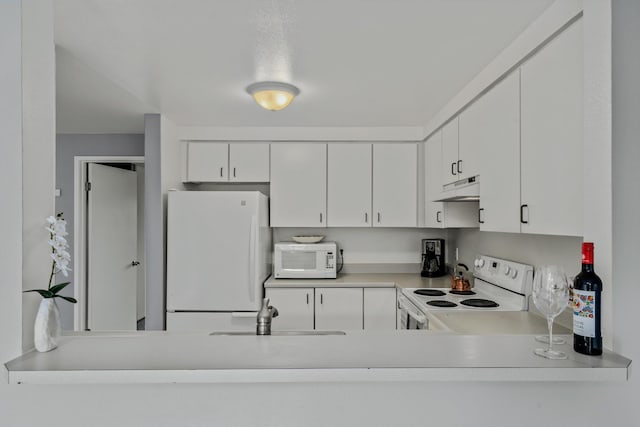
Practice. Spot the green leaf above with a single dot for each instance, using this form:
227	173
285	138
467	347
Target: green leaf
43	292
72	300
57	288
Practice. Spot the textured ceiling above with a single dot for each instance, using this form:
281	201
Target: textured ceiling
356	62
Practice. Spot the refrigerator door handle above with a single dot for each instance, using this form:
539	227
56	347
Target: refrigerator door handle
252	257
244	314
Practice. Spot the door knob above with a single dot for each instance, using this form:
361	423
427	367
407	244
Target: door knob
134	263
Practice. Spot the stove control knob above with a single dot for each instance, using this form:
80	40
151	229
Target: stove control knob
514	273
506	269
479	262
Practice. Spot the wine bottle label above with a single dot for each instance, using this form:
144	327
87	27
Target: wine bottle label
584	313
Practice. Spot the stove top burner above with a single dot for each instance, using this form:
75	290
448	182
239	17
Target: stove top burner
479	302
462	292
442	303
429	292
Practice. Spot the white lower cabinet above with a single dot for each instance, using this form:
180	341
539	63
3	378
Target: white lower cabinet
379	308
339	309
336	309
295	308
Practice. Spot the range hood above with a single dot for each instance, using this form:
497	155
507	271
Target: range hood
464	190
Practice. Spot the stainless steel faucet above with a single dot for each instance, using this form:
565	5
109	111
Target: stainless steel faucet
265	315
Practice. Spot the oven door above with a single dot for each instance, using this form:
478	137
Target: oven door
409	316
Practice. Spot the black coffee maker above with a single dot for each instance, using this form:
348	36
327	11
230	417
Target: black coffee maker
433	264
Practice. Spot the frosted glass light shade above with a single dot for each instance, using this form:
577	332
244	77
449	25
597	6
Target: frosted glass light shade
273	96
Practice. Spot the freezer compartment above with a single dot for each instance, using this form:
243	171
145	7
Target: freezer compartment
229	321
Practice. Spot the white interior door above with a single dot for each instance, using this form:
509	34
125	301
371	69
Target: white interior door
112	248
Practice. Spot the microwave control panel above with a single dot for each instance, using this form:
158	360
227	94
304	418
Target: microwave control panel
330	260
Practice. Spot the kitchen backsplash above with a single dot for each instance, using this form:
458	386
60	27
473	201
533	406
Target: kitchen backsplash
526	248
363	246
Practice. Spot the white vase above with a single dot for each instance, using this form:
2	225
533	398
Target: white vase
47	327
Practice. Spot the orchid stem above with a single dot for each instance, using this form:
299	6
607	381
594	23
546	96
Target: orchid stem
53	267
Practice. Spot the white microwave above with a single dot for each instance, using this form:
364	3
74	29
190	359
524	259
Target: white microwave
305	261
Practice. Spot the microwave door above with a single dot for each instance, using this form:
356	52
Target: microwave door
299	261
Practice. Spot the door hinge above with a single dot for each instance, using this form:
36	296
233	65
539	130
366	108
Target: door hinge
87	186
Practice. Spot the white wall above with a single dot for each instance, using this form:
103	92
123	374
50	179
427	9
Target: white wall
162	172
38	153
11	175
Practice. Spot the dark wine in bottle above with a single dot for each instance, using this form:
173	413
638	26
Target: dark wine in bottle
587	290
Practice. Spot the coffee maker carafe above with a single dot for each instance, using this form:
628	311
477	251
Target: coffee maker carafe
433	264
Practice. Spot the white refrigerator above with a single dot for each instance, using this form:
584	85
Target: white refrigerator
218	257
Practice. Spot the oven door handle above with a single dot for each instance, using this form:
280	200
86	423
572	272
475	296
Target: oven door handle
405	305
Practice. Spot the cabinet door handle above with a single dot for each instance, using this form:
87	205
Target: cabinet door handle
307	298
522	214
438	219
458	167
366	218
234	172
453	165
320	217
378	217
221	169
321	300
480	215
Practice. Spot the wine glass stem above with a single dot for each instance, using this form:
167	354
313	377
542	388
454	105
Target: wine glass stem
550	325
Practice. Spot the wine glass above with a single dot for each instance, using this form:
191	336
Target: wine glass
550	296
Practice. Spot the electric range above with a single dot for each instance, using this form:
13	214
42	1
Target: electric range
498	285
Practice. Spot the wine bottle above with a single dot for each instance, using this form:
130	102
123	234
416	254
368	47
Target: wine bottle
587	290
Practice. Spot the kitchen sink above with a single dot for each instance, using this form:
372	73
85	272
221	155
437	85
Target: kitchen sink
279	333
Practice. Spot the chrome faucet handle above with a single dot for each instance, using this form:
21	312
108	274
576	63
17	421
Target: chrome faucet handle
264	317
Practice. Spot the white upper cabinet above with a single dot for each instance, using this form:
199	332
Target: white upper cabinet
492	124
221	162
349	185
552	133
298	185
449	165
207	162
440	214
434	211
395	180
459	151
249	162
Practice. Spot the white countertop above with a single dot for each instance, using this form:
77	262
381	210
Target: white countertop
380	280
358	356
494	323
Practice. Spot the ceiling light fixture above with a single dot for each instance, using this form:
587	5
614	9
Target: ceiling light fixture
272	96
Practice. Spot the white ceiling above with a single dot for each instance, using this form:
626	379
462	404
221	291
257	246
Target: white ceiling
356	62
